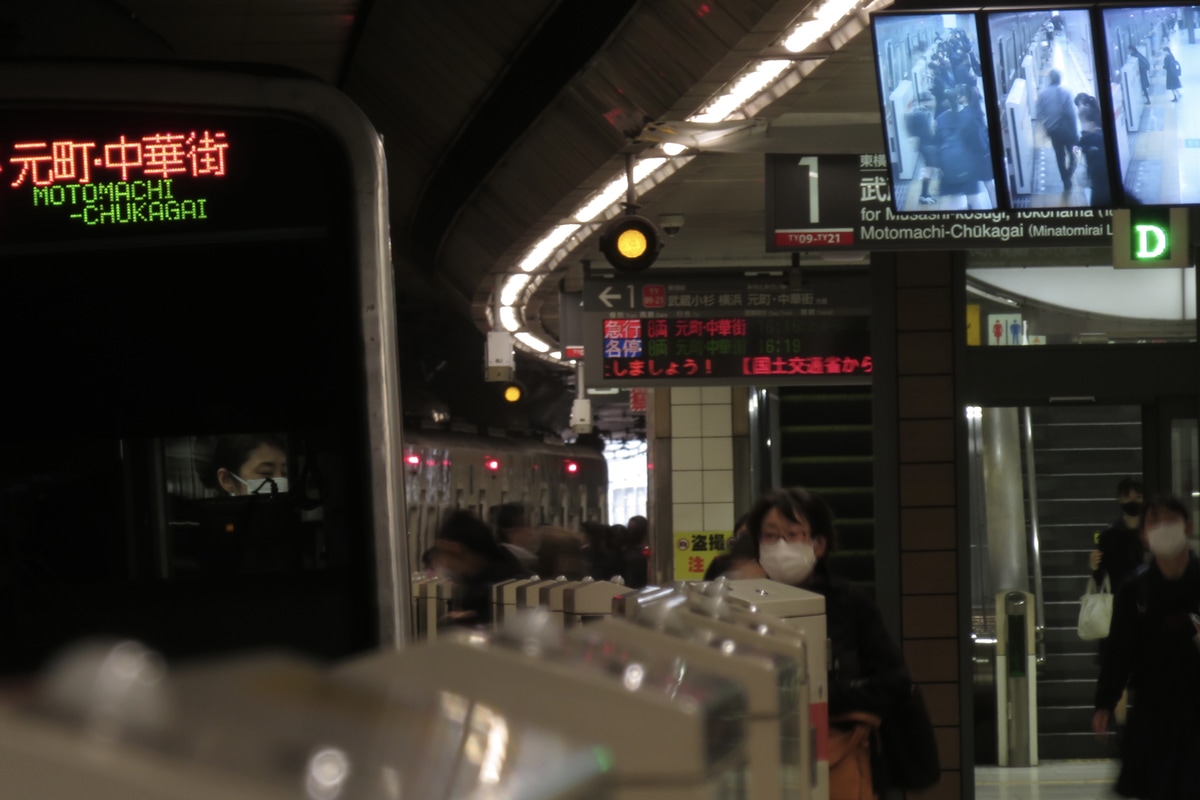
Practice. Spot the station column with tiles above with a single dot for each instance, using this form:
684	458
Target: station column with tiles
927	498
700	452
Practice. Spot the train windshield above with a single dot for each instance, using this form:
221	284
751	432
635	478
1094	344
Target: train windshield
184	411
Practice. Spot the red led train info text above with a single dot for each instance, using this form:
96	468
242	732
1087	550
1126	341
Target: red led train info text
154	155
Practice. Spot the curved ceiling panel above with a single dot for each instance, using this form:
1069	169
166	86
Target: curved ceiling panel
669	52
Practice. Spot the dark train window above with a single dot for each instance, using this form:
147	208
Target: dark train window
160	301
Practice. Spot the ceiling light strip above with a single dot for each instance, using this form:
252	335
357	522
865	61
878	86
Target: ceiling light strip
738	99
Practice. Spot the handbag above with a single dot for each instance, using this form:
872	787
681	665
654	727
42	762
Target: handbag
909	746
1095	610
850	756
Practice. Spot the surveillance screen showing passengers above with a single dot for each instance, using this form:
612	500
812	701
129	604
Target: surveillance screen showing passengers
1044	69
1153	66
935	118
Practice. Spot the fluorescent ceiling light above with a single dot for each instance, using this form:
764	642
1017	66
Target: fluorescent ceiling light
615	189
532	342
542	250
749	84
556	355
673	149
512	288
508	318
826	17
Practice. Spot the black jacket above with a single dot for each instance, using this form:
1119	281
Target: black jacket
1122	554
1151	649
867	670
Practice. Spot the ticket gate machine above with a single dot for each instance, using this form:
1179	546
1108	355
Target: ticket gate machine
551	598
432	600
591	601
529	594
504	596
268	728
673	734
801	610
771	680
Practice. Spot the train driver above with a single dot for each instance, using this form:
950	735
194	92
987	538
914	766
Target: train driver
251	464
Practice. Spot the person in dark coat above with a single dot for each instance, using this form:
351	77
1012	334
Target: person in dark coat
1056	110
474	561
962	141
1173	71
1154	649
793	534
1119	550
1143	70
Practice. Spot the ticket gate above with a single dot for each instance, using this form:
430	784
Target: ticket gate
504	596
592	601
551	598
772	682
528	595
804	611
673	734
432	599
268	728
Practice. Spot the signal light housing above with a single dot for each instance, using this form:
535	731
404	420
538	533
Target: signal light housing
631	242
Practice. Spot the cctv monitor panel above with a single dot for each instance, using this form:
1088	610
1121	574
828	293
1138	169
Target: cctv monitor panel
1051	132
1149	85
935	119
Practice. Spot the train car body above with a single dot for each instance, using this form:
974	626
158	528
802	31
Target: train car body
560	485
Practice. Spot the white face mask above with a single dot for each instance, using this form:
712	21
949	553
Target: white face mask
261	486
1167	540
787	562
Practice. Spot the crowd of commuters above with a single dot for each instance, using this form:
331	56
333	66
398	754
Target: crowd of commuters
475	557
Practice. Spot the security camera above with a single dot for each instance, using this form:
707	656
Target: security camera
670	223
581	415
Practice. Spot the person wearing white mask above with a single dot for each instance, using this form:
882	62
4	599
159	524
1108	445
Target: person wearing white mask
793	531
1154	649
251	464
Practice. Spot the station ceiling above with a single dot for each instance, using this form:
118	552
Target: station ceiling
499	118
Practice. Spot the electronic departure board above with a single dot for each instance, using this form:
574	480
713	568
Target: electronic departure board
688	330
82	175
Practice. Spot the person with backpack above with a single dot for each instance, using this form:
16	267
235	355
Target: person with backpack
1154	649
963	153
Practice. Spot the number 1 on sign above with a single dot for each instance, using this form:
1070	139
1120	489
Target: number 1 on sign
814	205
632	304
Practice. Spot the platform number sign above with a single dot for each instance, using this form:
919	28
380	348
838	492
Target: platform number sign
798	195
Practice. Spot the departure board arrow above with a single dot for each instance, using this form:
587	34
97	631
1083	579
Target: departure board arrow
607	296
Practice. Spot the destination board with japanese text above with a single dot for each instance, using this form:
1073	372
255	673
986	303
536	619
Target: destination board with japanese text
701	330
90	175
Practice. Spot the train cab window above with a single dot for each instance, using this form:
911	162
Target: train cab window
248	503
1072	297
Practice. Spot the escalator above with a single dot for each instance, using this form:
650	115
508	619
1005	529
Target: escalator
1080	454
825	446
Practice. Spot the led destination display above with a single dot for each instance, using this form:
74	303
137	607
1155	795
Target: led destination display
67	176
715	349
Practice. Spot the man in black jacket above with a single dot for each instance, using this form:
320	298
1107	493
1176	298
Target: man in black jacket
1119	551
1154	648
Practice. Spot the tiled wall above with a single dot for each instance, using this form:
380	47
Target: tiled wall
702	462
927	469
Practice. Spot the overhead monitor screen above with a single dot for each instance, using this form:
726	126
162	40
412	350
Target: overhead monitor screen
1051	127
935	118
1158	143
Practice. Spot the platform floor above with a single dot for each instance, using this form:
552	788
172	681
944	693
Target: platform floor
1050	780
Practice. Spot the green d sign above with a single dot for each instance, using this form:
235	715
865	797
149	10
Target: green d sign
1151	237
1151	242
